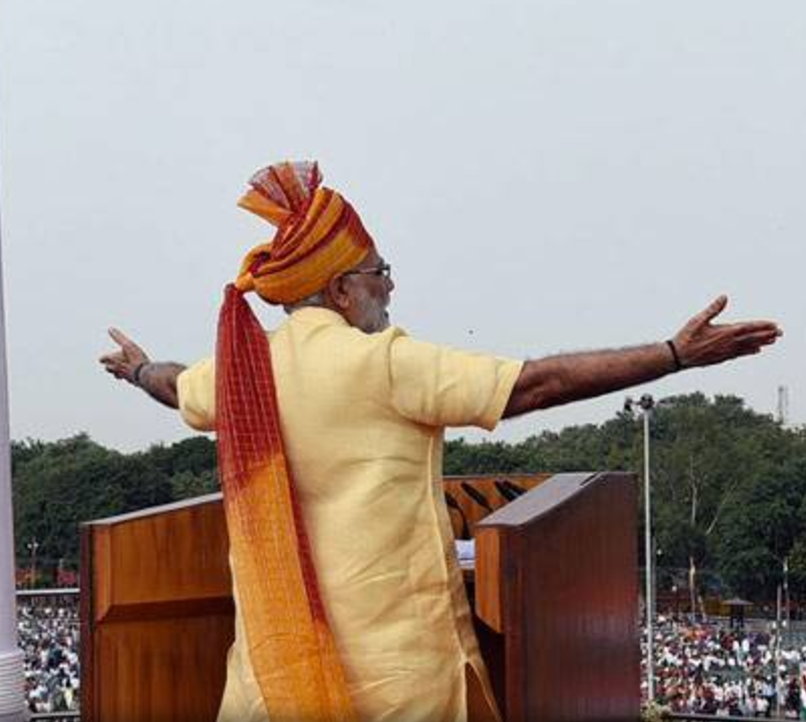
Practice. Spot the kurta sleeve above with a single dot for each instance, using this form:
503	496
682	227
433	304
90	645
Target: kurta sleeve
195	388
440	386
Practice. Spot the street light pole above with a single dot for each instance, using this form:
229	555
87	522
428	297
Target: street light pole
645	404
778	681
33	545
786	596
656	559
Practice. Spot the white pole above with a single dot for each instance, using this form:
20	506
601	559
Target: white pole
12	694
645	403
786	597
779	692
650	662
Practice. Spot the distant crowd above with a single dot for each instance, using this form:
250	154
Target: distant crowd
712	669
48	632
699	668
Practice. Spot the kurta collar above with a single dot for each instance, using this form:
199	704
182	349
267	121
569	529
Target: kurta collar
317	316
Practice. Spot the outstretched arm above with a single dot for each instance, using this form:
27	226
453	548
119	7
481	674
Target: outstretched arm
130	363
559	379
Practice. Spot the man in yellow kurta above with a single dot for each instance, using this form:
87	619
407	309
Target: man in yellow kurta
361	409
364	432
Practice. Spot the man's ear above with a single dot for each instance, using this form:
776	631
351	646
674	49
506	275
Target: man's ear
338	294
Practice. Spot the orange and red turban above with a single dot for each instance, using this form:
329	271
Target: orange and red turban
291	646
319	234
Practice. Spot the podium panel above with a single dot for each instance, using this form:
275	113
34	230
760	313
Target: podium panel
156	614
556	580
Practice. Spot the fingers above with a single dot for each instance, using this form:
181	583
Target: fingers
130	353
746	327
756	340
728	342
711	311
765	332
752	346
120	338
118	366
748	351
114	363
754	334
117	372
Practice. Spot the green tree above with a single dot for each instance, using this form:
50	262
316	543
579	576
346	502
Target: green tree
186	484
77	480
196	455
729	485
765	524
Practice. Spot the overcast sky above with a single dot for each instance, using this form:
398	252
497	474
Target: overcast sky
543	176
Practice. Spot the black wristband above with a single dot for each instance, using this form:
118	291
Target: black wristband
677	365
137	371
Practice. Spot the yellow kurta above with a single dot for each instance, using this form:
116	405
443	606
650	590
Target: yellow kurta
362	417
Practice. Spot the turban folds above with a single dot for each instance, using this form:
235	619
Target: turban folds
319	234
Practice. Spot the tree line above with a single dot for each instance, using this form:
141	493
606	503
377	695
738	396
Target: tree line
729	487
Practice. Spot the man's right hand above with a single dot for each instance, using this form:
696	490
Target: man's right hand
702	343
123	364
556	380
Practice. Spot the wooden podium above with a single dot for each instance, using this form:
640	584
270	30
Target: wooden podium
555	589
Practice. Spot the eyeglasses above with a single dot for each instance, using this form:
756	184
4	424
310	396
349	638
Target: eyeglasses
382	271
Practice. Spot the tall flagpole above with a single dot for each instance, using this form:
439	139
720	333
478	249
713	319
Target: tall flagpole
12	695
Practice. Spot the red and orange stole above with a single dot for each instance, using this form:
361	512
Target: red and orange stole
290	644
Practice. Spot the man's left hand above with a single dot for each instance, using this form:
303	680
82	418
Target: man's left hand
123	364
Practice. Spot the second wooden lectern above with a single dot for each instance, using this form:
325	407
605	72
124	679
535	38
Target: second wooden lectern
556	578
